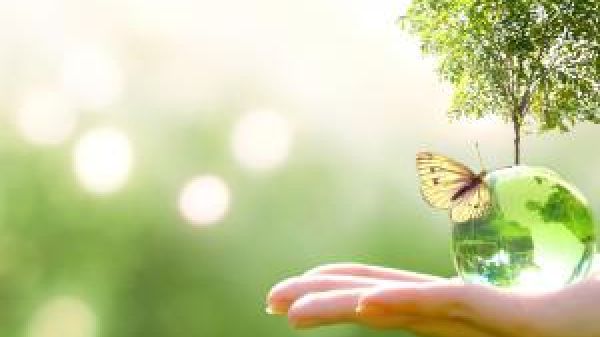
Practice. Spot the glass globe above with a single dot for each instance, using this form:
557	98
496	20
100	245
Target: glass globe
538	235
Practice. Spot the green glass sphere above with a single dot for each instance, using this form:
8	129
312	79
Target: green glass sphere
539	233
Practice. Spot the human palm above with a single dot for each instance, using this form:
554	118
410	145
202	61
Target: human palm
432	306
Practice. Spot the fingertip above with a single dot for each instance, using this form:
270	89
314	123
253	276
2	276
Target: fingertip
278	300
331	307
277	308
297	313
310	305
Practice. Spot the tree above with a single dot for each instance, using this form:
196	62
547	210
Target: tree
530	62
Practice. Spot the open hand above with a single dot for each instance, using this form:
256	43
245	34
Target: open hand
432	306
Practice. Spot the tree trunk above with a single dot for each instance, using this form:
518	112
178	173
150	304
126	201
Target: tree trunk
517	128
518	117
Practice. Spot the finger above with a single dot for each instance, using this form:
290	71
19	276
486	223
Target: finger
325	308
425	326
286	292
485	308
354	269
339	306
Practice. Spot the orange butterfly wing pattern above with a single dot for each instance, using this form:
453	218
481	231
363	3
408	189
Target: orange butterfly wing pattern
448	184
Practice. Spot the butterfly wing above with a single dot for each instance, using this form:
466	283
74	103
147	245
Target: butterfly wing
441	178
474	204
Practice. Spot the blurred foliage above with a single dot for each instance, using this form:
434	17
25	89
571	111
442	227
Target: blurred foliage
145	272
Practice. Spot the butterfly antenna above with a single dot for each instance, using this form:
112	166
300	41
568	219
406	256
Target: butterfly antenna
479	156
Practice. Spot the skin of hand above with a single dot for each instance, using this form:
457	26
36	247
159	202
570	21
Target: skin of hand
432	306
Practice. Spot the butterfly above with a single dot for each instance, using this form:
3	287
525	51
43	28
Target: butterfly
448	184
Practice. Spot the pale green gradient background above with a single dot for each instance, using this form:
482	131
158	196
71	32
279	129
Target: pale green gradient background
360	99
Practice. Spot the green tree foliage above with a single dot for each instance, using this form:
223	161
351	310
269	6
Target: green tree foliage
527	61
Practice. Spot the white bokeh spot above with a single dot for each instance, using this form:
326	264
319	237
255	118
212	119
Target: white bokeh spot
44	117
204	200
103	159
261	140
63	317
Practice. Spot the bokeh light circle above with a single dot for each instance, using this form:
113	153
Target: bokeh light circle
45	117
91	76
63	317
204	200
261	140
103	159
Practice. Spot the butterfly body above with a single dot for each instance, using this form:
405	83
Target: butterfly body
472	183
450	185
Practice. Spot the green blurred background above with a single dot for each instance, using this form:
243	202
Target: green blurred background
164	163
